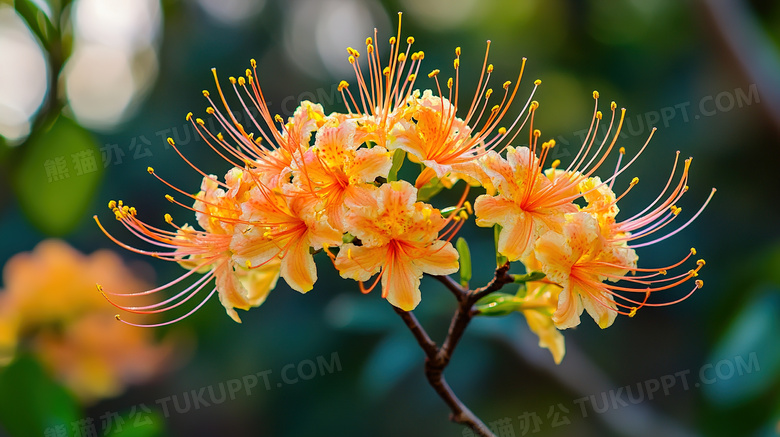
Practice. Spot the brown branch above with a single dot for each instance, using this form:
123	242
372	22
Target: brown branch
458	290
437	359
428	346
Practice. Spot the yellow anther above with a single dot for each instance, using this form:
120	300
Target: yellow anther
490	68
502	131
495	108
169	198
551	143
248	264
693	273
467	204
622	150
253	63
392	40
455	218
555	163
634	181
349	253
370	48
421	55
220	137
267	234
386	71
99	287
170	141
251	136
232	80
534	105
434	73
449	83
116	316
168	218
537	133
200	121
463	214
410	40
415	56
120	204
693	251
343	84
506	84
456	63
700	263
351	59
598	115
132	211
241	81
613	105
111	204
662	271
699	283
125	209
538	82
401	57
210	110
369	40
278	118
632	313
488	93
412	77
189	116
685	188
595	94
205	93
248	73
457	51
150	170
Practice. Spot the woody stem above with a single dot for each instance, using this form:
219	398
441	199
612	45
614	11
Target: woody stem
437	359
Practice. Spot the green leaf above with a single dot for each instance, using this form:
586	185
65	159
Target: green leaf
40	17
498	304
398	160
139	423
31	403
57	175
500	259
429	190
528	277
464	256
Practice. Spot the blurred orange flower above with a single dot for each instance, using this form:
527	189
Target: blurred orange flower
50	307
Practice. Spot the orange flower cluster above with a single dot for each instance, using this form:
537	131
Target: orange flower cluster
50	308
329	183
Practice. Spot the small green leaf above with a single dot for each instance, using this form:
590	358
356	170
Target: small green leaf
465	261
498	304
39	18
429	190
528	277
500	259
56	176
31	404
398	160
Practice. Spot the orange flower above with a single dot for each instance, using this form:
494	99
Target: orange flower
580	258
528	203
283	224
401	238
51	303
337	171
207	251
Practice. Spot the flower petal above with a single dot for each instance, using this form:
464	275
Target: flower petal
360	262
298	268
440	259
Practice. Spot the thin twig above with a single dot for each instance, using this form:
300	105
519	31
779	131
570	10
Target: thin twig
428	345
437	359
